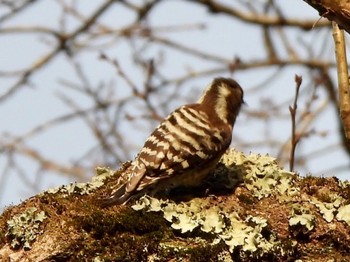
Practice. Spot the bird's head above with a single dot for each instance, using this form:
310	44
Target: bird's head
223	97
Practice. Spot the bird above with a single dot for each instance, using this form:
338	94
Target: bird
186	145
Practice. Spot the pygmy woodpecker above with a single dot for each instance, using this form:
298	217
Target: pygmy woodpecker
186	145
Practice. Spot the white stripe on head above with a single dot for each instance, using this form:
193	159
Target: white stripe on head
221	103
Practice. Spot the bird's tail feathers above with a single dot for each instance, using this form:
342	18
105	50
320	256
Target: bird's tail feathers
120	196
123	194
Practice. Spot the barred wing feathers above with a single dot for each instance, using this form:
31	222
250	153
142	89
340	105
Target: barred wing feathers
181	143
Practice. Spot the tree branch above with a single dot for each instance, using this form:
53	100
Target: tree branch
343	79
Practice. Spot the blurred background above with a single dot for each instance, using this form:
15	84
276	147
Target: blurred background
83	83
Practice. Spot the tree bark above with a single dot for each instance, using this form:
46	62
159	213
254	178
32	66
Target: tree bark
334	10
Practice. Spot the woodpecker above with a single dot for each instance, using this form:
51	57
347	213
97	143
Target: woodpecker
186	145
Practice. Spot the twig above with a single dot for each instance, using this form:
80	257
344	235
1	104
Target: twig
343	79
252	18
295	137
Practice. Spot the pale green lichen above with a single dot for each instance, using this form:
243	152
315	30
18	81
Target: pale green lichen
344	183
224	256
97	259
344	214
302	216
224	224
83	188
25	227
328	209
261	174
333	207
248	235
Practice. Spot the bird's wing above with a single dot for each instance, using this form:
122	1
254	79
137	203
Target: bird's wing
177	145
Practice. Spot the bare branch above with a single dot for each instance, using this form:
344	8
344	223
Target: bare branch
343	79
293	110
216	7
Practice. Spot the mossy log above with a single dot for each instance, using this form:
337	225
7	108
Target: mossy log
248	209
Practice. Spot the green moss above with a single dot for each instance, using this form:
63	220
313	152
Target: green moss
121	247
99	223
246	199
2	238
191	249
140	222
205	253
327	198
311	184
345	192
129	235
119	236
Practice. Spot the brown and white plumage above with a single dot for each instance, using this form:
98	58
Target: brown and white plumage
186	145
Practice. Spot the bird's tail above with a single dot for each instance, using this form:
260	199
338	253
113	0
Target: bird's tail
123	194
120	196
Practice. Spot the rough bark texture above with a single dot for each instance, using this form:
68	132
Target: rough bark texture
249	209
334	10
338	11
